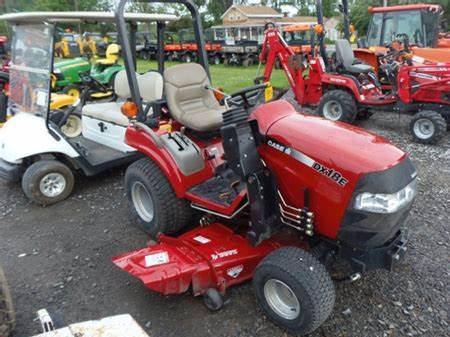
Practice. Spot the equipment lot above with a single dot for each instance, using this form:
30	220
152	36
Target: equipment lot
68	247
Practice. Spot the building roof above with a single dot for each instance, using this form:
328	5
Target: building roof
297	19
255	11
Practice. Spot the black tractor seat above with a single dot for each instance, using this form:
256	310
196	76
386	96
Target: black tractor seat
346	59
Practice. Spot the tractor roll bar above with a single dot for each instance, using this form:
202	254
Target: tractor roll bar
128	53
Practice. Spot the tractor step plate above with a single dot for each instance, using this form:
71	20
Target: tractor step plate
207	257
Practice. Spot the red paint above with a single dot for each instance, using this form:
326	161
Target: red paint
342	147
223	260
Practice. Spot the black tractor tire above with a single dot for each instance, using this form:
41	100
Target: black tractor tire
7	313
188	58
216	60
294	290
153	201
247	62
338	105
428	127
44	177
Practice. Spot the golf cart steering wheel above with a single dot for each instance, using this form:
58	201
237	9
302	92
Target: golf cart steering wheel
247	97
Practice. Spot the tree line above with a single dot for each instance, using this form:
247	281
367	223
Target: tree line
212	10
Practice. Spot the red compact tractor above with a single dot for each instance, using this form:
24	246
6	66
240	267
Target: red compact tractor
261	193
346	88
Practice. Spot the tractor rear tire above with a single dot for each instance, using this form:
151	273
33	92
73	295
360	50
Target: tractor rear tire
294	290
153	201
247	62
7	314
47	182
428	127
338	105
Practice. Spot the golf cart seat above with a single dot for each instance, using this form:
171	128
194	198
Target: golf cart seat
112	55
346	58
151	89
189	101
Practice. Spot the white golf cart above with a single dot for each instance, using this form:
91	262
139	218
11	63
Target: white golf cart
33	148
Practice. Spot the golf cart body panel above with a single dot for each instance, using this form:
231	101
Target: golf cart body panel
13	149
35	147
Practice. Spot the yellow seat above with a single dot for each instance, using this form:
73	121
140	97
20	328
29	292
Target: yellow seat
112	55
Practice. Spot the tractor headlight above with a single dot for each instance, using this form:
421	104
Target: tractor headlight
386	203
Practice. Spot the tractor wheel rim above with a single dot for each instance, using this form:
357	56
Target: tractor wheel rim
74	93
72	128
142	201
332	110
424	128
52	184
281	299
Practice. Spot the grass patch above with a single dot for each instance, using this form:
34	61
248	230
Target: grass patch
230	78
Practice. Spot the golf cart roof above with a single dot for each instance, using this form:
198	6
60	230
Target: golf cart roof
88	17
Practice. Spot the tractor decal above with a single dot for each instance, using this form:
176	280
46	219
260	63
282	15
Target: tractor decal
334	175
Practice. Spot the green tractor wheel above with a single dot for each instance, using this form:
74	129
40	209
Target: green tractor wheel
73	90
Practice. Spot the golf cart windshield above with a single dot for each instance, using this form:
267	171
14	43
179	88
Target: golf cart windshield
31	63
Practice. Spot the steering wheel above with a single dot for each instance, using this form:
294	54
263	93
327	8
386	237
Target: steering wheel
247	97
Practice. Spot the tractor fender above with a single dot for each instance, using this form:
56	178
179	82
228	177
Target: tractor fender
343	82
26	135
110	72
145	144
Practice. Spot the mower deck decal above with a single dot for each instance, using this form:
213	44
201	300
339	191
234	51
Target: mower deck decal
334	175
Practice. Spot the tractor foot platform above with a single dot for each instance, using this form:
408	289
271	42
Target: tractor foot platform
222	194
211	257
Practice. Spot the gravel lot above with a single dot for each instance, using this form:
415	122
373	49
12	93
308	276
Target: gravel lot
68	247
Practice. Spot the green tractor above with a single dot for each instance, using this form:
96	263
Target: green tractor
66	74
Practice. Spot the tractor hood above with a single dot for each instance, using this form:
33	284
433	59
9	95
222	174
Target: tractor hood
69	64
341	145
324	165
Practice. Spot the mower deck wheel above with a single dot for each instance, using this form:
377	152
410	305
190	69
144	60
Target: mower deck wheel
7	314
338	105
213	299
428	127
47	182
154	203
294	290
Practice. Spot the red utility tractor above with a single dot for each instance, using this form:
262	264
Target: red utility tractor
267	193
349	89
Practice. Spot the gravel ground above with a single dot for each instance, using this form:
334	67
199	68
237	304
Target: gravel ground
59	258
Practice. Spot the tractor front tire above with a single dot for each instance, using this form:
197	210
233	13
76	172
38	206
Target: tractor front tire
153	201
7	314
47	182
338	105
294	290
428	127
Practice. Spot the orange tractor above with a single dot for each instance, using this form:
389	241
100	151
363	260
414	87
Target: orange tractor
422	23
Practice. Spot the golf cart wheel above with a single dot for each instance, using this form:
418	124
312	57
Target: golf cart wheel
73	126
213	300
153	201
428	127
73	90
294	290
338	105
47	182
7	314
